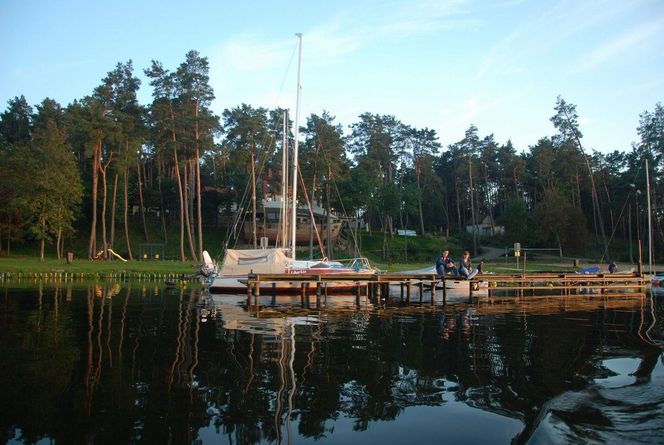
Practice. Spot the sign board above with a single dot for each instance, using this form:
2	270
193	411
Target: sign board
517	247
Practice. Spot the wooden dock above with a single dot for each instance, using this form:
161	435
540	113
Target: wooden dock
532	284
376	286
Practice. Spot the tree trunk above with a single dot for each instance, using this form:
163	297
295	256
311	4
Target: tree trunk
458	204
92	245
163	208
198	185
179	181
187	221
62	244
58	250
104	240
489	203
419	200
140	201
199	203
126	210
42	242
113	207
103	170
191	193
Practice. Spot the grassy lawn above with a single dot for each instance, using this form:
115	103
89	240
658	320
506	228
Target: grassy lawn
85	266
404	253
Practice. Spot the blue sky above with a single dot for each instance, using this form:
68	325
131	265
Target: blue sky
438	64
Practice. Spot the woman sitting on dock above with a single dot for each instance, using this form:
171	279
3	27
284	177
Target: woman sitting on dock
466	270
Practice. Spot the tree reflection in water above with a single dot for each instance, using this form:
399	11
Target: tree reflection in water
110	362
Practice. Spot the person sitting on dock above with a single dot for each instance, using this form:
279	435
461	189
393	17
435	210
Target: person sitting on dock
613	267
445	265
466	270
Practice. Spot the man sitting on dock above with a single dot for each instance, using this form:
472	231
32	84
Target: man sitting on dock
445	265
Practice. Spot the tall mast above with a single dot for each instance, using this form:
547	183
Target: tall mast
295	147
650	244
284	180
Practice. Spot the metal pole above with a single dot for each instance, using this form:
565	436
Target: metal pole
284	182
296	147
650	245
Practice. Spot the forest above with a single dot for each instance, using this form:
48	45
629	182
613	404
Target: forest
106	170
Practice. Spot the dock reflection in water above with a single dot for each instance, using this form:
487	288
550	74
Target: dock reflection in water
129	362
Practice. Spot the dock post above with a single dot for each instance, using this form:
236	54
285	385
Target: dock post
421	291
302	292
401	285
249	292
433	293
318	294
257	293
444	291
408	283
358	291
274	293
470	291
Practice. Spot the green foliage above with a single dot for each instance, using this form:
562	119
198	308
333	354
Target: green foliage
518	222
379	169
560	223
401	249
55	185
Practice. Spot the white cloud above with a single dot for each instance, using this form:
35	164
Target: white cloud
619	45
546	29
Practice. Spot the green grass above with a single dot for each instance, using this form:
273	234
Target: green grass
84	266
401	253
405	250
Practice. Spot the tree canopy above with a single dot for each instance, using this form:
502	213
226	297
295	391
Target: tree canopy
106	160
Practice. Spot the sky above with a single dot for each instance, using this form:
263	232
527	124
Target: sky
440	64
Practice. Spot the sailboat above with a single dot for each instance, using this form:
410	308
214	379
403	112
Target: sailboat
238	264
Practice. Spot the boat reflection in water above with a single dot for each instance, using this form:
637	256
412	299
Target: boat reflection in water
134	362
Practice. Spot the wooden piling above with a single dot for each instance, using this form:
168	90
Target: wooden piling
408	292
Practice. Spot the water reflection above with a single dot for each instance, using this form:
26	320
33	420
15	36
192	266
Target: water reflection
135	362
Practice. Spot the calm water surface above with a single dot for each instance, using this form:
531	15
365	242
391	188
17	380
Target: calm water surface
138	363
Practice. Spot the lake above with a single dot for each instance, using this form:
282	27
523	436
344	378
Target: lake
135	362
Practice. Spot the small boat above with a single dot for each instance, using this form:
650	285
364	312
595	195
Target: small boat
456	282
239	264
233	274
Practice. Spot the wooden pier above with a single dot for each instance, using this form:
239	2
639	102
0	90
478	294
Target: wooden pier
551	284
376	286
